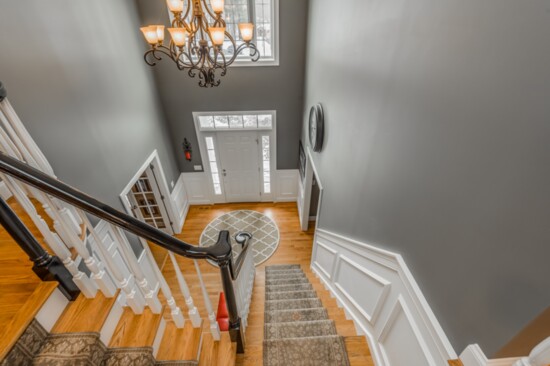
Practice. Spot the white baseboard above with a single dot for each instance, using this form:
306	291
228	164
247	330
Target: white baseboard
52	309
378	292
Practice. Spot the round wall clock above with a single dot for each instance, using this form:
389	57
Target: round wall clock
316	127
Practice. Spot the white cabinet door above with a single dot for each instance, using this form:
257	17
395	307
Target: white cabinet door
240	165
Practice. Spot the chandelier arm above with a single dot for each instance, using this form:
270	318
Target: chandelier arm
189	6
209	11
153	53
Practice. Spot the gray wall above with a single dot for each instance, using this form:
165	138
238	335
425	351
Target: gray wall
243	88
74	73
438	147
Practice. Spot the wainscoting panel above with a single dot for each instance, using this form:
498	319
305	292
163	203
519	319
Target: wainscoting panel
198	188
181	203
379	293
287	185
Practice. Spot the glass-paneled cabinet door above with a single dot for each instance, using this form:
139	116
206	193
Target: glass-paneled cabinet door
147	202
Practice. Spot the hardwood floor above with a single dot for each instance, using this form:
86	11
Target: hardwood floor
22	292
294	248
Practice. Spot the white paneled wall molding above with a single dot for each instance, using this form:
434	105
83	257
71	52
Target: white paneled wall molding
181	203
379	294
199	189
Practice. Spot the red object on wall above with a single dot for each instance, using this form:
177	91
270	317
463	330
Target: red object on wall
222	316
187	149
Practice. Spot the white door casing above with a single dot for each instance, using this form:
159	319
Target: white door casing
240	167
213	169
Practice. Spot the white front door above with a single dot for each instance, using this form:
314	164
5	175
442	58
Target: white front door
240	165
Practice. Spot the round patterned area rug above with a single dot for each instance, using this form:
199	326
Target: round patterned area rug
265	233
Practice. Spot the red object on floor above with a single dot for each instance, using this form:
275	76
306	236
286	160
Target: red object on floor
223	316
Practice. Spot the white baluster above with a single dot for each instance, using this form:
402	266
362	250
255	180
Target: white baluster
151	297
134	297
101	278
214	327
193	311
83	282
176	312
25	137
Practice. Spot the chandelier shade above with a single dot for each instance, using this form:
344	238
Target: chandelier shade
198	36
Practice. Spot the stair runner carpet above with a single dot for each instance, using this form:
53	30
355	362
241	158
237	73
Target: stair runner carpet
39	348
297	328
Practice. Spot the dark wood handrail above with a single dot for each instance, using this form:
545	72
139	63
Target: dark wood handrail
221	252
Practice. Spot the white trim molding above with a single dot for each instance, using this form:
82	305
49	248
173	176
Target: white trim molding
153	160
379	293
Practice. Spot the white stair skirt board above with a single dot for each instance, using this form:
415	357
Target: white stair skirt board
52	309
388	306
158	337
108	329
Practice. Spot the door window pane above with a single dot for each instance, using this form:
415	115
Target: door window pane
266	164
206	121
250	121
213	165
236	121
264	120
221	122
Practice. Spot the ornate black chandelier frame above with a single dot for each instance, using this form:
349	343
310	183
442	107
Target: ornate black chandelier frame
200	55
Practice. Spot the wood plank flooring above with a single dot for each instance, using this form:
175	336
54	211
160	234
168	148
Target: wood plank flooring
23	293
294	248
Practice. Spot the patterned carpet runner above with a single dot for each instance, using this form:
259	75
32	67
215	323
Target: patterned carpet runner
297	328
38	348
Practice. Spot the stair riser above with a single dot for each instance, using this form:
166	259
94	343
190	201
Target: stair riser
286	281
290	316
288	288
291	295
292	304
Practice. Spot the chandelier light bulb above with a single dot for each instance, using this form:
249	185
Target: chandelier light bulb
218	35
247	31
150	34
175	6
178	36
217	5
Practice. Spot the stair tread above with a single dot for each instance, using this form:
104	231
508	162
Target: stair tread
85	315
314	328
22	318
179	343
136	330
291	295
310	351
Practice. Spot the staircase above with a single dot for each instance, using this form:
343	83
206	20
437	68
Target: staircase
297	327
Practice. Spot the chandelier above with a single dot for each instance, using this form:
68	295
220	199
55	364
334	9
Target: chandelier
197	38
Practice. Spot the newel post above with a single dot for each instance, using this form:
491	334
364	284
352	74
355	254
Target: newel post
224	262
47	267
